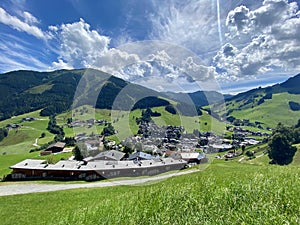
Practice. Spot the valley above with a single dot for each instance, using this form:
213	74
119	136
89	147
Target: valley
233	136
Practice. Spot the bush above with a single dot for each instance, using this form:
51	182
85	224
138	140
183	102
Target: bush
250	153
109	130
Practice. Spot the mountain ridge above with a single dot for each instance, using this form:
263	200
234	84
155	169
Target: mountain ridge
269	105
54	91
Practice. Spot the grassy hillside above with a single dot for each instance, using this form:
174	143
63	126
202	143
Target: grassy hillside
224	193
270	105
271	112
22	139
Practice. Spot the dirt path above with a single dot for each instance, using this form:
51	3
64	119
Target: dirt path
14	189
241	159
260	155
35	143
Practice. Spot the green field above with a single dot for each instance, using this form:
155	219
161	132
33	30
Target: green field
21	140
224	193
272	111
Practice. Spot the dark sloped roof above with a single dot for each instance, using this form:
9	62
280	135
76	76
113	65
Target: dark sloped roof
57	145
113	154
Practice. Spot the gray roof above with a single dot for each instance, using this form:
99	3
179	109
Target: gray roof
111	154
141	155
57	145
66	165
192	155
29	164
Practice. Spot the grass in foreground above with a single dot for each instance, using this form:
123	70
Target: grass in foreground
225	193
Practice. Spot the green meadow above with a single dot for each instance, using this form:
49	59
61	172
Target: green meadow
272	112
21	140
224	193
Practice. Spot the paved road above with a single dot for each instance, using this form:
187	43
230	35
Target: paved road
15	189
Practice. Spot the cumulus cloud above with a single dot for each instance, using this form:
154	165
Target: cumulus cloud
272	12
273	34
159	68
114	60
196	71
238	20
154	63
25	26
80	46
61	65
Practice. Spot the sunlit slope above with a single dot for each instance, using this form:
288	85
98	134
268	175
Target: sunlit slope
271	112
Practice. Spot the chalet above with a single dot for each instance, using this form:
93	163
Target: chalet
92	145
54	148
141	156
193	157
172	154
12	126
250	141
28	119
111	155
220	147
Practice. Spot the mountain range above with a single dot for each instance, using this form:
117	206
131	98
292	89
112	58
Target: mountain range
57	91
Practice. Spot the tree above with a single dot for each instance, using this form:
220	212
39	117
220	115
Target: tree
250	153
128	148
243	148
108	130
3	133
70	141
281	150
77	154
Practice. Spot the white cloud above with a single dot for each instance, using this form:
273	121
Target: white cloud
29	18
272	32
19	25
238	21
198	72
114	60
159	71
61	65
261	20
80	46
192	24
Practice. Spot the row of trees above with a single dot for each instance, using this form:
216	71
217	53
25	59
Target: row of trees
55	129
281	149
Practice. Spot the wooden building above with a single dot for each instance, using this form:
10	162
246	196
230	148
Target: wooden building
54	148
95	170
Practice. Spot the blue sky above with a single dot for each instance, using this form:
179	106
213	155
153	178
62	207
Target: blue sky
229	46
